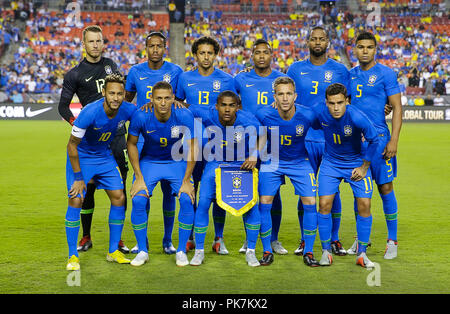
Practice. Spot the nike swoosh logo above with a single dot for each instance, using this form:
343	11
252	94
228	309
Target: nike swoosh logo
303	73
97	129
31	114
148	132
272	127
191	84
354	78
249	85
88	79
212	129
389	175
324	124
142	78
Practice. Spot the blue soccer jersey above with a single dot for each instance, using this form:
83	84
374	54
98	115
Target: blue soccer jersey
289	157
311	82
370	91
100	130
227	143
197	89
343	145
163	142
291	133
255	90
141	78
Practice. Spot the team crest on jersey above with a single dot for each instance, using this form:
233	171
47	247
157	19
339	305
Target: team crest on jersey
237	137
216	85
347	130
166	78
372	79
237	182
328	75
299	130
108	70
175	131
121	124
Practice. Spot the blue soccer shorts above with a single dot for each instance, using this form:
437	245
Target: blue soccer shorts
104	171
330	177
170	171
300	173
383	171
315	152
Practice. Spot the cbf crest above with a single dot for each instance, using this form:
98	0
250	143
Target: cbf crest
121	124
299	130
347	130
237	182
328	75
237	137
175	131
108	70
216	85
167	78
372	79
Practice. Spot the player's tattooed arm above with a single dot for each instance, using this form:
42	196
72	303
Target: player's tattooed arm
79	185
360	172
391	147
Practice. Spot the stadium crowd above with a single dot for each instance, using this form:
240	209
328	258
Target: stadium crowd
51	45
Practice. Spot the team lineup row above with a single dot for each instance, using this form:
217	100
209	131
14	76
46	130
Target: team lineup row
308	107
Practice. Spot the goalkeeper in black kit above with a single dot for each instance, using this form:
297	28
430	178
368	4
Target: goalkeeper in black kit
87	80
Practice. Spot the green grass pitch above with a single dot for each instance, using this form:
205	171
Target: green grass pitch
33	250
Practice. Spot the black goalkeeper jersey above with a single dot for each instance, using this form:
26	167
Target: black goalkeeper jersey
86	80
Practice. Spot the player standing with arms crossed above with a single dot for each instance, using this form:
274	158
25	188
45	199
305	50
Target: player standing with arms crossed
201	87
140	81
372	86
89	157
87	80
312	77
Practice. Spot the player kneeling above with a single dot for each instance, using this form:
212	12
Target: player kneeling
89	157
343	160
165	132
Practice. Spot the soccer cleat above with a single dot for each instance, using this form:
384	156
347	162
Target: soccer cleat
135	249
267	259
278	248
251	259
327	258
84	244
243	249
190	245
353	249
364	261
123	248
181	259
337	249
218	246
198	258
301	247
309	260
391	249
168	248
73	263
117	257
140	259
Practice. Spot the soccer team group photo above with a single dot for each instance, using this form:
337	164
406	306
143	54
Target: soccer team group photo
245	144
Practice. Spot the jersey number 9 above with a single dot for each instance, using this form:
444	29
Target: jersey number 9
163	142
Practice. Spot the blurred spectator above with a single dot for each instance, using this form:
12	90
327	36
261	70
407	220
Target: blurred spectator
447	86
411	101
439	87
404	99
429	100
16	97
3	96
439	101
418	101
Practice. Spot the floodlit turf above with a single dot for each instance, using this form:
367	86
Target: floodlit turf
34	250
